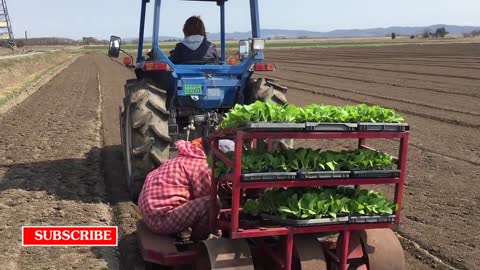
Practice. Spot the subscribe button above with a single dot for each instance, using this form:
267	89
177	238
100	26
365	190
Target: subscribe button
69	236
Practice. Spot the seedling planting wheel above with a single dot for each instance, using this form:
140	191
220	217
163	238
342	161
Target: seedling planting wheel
373	249
309	254
383	249
225	254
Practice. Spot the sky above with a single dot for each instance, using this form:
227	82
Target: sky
101	18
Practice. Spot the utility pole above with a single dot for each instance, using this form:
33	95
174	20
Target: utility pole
6	33
26	41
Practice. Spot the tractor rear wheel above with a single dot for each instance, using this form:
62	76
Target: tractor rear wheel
144	132
265	89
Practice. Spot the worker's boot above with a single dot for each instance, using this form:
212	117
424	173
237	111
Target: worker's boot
185	235
184	239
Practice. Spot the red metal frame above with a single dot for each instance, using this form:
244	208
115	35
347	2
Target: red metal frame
232	226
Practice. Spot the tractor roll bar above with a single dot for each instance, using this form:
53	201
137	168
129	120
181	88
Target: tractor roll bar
254	16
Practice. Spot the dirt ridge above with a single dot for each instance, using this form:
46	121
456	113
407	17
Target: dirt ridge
29	90
318	92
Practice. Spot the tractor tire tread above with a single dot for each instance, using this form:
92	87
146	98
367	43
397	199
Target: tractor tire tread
150	142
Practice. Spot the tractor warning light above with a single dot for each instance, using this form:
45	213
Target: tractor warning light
127	61
156	66
232	61
264	67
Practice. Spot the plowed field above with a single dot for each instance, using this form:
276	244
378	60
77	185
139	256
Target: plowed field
60	160
437	88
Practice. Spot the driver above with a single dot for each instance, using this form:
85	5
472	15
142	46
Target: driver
195	47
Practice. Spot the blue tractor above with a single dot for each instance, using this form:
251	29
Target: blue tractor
169	102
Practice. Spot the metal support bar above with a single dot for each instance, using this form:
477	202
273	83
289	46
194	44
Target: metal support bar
237	171
310	135
254	18
222	32
321	135
223	157
400	186
288	250
344	251
141	32
212	214
156	28
317	183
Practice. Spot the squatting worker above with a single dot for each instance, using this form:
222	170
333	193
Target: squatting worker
195	47
176	195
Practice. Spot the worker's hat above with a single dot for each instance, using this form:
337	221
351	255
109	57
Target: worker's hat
198	143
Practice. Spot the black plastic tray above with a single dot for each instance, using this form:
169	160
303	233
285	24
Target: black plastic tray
392	127
324	175
371	219
318	126
273	126
305	222
266	176
375	174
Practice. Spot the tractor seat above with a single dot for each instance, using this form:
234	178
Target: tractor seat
161	249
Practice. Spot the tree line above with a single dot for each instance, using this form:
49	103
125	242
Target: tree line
54	41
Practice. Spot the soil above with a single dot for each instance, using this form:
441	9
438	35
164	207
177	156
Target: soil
51	173
436	89
61	163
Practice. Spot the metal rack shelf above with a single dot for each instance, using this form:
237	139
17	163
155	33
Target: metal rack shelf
288	183
231	224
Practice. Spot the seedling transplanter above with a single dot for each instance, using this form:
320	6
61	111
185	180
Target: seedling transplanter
317	200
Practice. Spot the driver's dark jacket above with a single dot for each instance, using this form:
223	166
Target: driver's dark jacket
206	52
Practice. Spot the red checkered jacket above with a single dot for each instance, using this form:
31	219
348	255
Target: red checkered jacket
177	181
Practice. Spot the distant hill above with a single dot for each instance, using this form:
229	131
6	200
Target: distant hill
372	32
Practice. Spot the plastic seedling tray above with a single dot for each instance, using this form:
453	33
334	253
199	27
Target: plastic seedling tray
375	174
319	126
267	126
265	176
371	219
305	222
324	175
392	127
